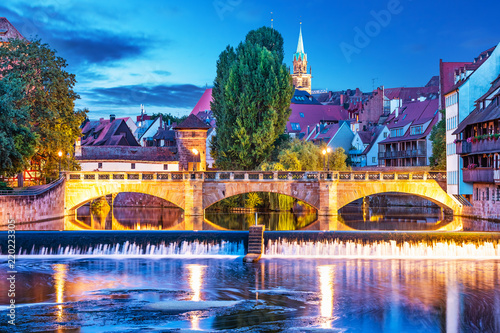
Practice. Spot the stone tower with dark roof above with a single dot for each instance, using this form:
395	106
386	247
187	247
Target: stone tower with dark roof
191	137
301	79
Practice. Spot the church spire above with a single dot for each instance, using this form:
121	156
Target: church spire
300	45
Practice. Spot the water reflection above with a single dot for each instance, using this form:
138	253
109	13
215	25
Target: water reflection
326	277
364	217
132	218
284	220
351	217
59	280
349	295
195	279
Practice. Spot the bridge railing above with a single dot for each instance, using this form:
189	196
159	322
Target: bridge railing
256	176
36	190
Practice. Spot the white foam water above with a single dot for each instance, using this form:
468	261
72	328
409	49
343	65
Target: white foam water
382	250
127	249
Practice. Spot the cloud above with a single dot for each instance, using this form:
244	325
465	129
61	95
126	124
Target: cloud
162	73
79	43
98	46
178	96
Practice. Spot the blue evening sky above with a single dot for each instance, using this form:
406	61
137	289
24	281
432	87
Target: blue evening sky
163	53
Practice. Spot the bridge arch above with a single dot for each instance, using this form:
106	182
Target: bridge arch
78	194
428	189
308	193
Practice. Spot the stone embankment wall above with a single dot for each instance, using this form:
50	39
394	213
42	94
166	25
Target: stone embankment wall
140	200
45	207
400	199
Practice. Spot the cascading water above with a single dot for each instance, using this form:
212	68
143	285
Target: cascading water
390	249
127	249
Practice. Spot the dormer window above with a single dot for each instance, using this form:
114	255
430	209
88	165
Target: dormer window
415	130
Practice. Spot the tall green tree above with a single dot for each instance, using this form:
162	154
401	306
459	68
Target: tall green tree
269	38
17	142
438	138
49	97
251	103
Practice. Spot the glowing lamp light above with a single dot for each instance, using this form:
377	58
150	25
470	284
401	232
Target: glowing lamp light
324	151
59	153
195	151
328	150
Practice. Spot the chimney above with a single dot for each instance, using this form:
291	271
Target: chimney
397	112
341	99
308	130
161	121
169	122
111	117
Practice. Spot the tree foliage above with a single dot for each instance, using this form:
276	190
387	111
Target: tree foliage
438	138
17	142
48	97
269	38
299	155
251	101
167	116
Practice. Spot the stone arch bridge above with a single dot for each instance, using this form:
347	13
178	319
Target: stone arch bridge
196	191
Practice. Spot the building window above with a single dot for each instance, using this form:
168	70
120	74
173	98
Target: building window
132	166
302	115
295	126
395	132
416	130
385	135
99	165
165	167
487	194
374	159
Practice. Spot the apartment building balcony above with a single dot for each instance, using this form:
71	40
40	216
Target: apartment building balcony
478	147
479	175
403	154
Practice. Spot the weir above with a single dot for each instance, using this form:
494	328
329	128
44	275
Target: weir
332	245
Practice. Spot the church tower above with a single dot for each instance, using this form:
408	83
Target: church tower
301	79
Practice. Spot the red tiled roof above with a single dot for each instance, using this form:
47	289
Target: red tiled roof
325	133
314	114
416	113
408	94
107	133
192	122
7	31
448	75
204	102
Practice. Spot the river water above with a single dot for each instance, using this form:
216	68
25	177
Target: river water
354	217
307	281
278	295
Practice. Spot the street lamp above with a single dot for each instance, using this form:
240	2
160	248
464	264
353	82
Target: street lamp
195	152
60	155
324	160
328	150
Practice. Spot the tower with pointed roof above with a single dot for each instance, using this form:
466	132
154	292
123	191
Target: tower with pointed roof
301	79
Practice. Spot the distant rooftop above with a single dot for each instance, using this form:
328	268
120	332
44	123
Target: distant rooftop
8	31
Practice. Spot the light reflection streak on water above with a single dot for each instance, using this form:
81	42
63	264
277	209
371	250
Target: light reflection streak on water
195	280
59	278
326	276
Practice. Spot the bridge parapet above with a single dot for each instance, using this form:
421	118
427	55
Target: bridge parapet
224	176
